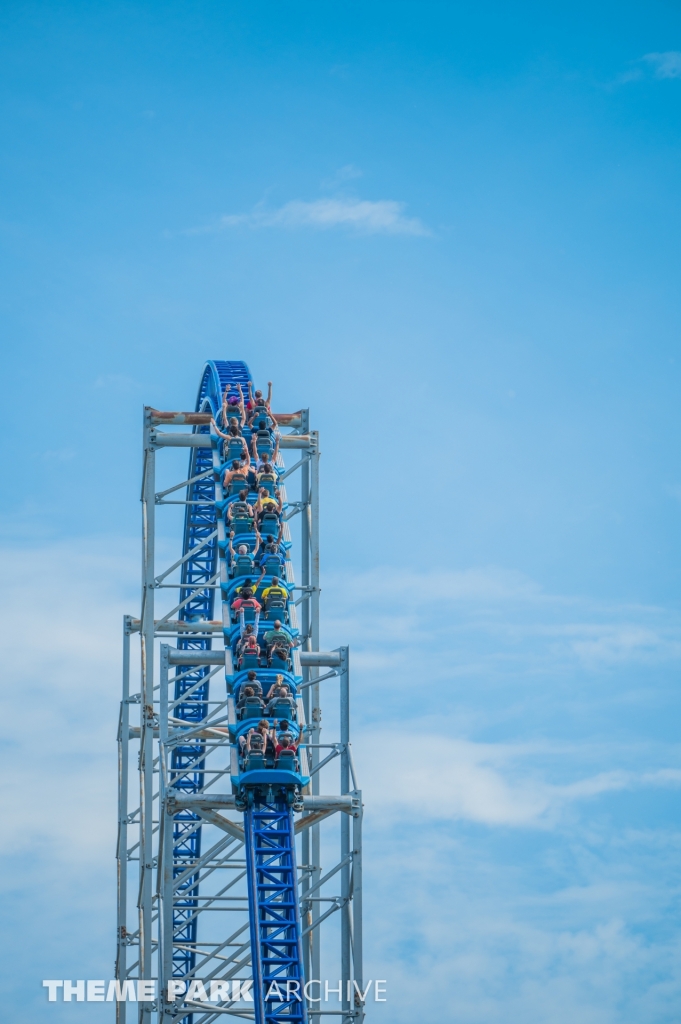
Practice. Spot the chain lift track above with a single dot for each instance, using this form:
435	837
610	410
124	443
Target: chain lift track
225	919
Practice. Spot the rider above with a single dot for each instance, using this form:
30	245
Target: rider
243	554
254	682
280	695
232	427
240	509
284	744
275	687
239	470
266	504
243	697
265	473
242	641
270	550
233	406
257	404
247	600
278	635
274	592
249	646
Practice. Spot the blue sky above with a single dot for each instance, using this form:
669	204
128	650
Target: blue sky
452	231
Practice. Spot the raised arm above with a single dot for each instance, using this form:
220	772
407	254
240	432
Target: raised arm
217	429
231	548
275	453
224	406
257	543
269	394
242	405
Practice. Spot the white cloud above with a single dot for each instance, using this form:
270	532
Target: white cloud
117	382
59	454
547	931
380	217
666	64
388	613
347	173
61	610
615	643
455	779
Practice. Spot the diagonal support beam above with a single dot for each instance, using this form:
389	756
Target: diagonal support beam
230	827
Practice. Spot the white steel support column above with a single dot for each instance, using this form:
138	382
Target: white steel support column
346	926
122	845
316	711
357	953
305	521
147	715
164	885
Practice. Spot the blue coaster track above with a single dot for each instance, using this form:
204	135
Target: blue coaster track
274	917
267	793
199	524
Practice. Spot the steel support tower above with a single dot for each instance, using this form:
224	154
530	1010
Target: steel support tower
192	869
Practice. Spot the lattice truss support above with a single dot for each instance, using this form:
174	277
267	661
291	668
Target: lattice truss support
184	871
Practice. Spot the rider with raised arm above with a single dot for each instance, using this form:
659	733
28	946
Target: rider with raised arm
242	550
246	599
270	549
249	646
279	698
242	643
265	458
275	687
233	432
285	743
275	591
266	503
257	404
233	406
240	468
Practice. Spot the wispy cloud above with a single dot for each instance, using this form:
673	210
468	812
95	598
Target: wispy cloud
117	382
478	782
59	454
346	173
501	615
559	915
362	216
665	65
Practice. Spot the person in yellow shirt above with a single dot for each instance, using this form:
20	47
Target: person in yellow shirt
275	592
266	503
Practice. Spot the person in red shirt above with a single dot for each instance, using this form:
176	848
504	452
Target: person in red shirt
250	646
285	744
246	600
243	601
